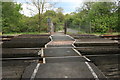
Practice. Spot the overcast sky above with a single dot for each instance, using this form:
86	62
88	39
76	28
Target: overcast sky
68	5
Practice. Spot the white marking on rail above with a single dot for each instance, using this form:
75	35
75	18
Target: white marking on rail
51	37
74	43
70	37
92	71
49	42
42	55
66	76
35	72
116	41
77	51
44	60
40	51
86	58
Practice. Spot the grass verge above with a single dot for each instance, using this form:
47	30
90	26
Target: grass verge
13	34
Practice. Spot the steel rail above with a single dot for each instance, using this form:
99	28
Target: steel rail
21	58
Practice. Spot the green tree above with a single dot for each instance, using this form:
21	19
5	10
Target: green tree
102	16
10	16
98	16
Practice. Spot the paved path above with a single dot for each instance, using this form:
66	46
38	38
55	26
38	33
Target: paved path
62	62
73	31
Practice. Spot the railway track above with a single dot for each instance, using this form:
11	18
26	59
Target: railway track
63	62
60	61
22	58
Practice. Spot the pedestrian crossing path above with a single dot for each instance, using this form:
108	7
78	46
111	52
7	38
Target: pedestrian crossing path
62	60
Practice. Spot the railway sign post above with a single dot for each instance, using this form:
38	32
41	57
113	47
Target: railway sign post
49	24
65	27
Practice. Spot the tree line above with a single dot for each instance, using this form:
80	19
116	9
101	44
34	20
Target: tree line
94	17
14	21
91	17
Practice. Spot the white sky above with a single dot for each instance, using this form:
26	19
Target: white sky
68	5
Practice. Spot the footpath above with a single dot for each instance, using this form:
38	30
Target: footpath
61	60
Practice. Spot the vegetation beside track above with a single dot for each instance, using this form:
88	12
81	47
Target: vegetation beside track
24	33
92	17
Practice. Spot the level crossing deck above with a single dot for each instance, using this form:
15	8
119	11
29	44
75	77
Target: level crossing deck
62	62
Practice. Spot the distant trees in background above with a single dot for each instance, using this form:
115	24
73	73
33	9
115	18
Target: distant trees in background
13	21
91	17
96	17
